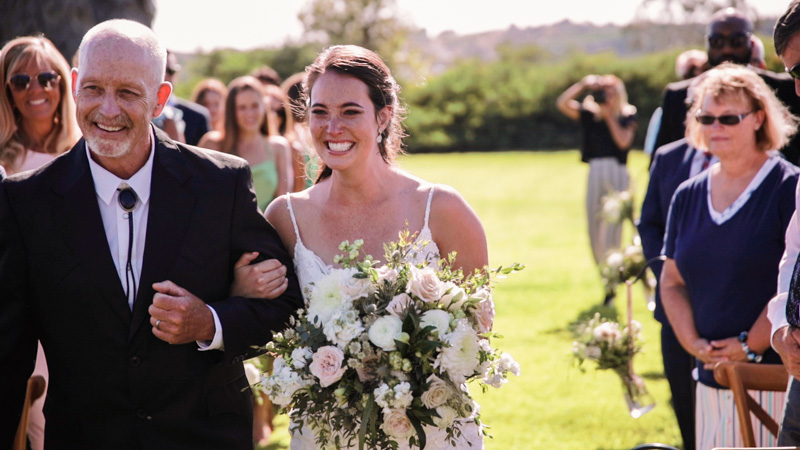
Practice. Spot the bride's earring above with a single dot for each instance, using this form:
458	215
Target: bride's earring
380	136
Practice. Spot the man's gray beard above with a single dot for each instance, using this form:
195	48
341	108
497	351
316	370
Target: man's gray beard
98	147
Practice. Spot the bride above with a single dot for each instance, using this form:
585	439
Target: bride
354	117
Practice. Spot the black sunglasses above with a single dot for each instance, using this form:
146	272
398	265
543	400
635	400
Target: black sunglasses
736	40
724	120
794	71
22	81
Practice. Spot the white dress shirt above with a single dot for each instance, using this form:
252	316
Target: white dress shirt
776	310
115	223
697	162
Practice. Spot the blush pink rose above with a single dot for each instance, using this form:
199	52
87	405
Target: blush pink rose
484	315
326	364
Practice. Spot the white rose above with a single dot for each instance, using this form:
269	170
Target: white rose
460	358
615	260
484	315
453	298
300	357
399	305
252	373
396	424
437	394
356	287
447	416
326	365
607	331
438	319
384	331
425	284
386	273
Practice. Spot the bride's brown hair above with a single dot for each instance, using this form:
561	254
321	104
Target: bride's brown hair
384	91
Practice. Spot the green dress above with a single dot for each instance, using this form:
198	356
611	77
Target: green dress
265	181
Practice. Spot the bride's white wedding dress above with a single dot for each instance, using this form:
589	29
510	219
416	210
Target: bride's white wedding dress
310	268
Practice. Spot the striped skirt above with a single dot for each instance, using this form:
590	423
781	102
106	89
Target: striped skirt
717	422
606	175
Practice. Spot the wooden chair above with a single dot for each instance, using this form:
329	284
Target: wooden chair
740	377
36	385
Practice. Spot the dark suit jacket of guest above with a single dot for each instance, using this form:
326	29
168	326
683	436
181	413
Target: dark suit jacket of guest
673	119
113	384
671	166
196	119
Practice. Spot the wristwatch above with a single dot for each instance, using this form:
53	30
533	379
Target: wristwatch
751	355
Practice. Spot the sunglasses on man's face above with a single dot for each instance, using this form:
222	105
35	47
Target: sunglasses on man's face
730	119
22	81
794	71
736	40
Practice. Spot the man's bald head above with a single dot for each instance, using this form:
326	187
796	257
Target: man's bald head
121	32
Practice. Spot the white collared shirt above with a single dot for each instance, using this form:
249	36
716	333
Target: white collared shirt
697	162
115	223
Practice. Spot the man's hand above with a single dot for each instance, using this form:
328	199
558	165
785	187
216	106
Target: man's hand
178	316
786	342
266	279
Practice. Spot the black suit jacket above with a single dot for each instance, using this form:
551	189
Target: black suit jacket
671	167
196	119
673	125
113	384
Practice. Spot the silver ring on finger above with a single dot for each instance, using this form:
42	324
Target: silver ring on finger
158	322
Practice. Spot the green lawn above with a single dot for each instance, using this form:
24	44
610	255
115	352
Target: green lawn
531	205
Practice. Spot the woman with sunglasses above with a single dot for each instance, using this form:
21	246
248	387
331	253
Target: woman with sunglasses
37	113
724	240
609	124
37	123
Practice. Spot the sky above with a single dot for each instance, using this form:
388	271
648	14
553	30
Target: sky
188	25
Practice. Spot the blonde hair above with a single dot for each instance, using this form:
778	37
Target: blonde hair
732	81
65	132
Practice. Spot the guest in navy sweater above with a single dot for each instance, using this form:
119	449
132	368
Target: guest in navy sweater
724	240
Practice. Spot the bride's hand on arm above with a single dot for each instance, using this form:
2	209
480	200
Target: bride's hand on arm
266	279
456	228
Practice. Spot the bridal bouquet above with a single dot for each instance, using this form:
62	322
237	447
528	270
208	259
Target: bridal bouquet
610	347
382	351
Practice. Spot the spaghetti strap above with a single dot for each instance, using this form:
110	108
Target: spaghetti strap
427	208
294	221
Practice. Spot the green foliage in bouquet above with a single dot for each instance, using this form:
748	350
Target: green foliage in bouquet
382	353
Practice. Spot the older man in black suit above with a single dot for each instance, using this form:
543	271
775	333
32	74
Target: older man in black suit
728	39
119	256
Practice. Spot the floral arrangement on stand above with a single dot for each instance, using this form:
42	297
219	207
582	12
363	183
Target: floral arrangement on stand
601	340
624	264
382	354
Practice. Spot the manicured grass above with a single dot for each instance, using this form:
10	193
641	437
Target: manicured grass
532	207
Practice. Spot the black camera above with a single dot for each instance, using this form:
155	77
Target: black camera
599	95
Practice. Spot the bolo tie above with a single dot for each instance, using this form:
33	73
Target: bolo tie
128	200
